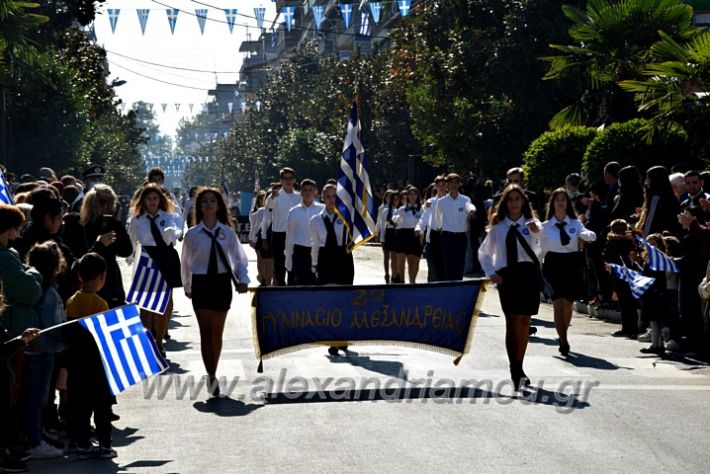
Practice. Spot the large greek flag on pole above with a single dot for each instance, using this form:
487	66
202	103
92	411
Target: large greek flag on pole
149	290
5	192
355	204
657	260
637	282
128	352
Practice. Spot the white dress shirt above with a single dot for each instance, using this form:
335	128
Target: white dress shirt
277	211
574	228
492	253
452	213
196	254
383	224
169	224
408	217
255	219
297	231
319	233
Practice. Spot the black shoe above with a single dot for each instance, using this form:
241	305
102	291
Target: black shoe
518	376
564	349
333	351
532	330
387	278
213	387
167	336
10	463
619	333
114	417
654	350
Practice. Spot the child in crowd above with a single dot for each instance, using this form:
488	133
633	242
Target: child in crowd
653	301
87	388
618	250
671	333
39	358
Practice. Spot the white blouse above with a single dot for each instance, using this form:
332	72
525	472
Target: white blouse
169	225
575	230
406	219
492	253
277	210
196	254
383	224
255	219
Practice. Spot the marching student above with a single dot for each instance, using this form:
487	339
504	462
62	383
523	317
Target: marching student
390	226
157	228
421	230
212	258
564	264
397	254
509	257
432	231
381	229
298	236
331	262
453	212
277	207
264	257
410	245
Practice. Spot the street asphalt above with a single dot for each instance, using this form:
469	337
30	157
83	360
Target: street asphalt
605	408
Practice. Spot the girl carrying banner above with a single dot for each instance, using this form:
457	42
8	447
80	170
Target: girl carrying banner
212	258
509	257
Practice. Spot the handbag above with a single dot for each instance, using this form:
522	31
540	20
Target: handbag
545	285
704	286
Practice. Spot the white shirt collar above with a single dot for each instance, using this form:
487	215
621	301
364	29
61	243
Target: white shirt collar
510	221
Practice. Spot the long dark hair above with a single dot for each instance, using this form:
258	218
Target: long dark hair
165	204
551	205
223	214
659	185
501	211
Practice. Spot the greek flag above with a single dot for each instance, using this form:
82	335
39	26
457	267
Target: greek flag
404	6
288	13
354	201
657	260
5	191
376	10
365	23
128	352
149	290
113	18
259	13
142	18
637	282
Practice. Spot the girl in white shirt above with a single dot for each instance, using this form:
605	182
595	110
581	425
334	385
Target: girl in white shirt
212	258
564	263
386	231
264	256
509	257
156	227
409	244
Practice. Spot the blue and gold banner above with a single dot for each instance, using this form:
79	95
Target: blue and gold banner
440	317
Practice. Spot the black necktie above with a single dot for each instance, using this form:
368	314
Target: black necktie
511	244
155	232
564	237
412	209
212	265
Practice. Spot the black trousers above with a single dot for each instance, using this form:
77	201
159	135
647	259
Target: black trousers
278	245
628	307
437	254
88	395
454	250
301	273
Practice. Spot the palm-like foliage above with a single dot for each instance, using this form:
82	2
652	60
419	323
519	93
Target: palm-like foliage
612	41
15	26
677	85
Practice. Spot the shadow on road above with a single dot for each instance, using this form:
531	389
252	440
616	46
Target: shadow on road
587	361
124	437
385	367
225	406
542	323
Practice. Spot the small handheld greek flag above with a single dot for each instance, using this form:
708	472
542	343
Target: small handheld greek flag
128	352
637	282
657	260
149	290
5	192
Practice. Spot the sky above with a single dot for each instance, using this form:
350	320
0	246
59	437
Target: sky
215	50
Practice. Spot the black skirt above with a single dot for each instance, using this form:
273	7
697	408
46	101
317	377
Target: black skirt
335	266
168	262
565	273
391	239
408	242
212	292
520	291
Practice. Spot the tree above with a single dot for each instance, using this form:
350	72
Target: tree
611	43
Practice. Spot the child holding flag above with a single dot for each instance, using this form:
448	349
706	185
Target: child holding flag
87	388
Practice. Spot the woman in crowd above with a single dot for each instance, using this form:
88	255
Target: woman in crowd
509	257
564	263
156	227
331	261
97	229
409	244
660	206
212	258
630	196
264	256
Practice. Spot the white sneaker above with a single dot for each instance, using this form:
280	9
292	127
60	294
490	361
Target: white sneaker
672	346
645	337
45	451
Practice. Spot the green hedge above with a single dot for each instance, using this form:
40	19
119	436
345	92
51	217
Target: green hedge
627	143
555	154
